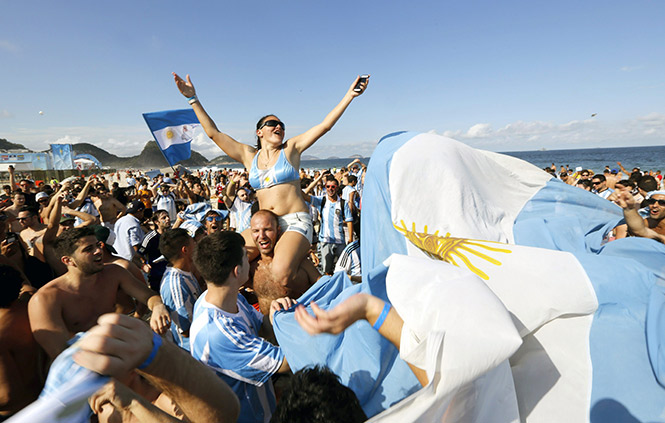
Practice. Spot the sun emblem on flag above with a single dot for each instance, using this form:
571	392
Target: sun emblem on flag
448	249
169	134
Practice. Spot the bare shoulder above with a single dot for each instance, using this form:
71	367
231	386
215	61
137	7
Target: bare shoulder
49	297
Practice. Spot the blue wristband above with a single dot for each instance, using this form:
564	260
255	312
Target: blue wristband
382	317
191	98
156	343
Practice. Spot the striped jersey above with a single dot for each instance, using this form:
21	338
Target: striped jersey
349	260
229	344
241	214
332	219
179	291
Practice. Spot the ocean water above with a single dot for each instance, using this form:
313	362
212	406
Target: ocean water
646	158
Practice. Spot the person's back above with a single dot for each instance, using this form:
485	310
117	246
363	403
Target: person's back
20	354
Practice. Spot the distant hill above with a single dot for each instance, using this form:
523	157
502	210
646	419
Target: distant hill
106	158
221	160
6	145
152	157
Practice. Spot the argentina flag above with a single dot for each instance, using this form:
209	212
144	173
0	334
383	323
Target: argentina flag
513	301
174	131
590	314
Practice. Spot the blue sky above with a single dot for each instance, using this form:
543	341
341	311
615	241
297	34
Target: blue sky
502	76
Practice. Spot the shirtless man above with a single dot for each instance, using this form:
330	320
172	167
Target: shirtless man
110	209
72	302
653	226
20	383
33	229
12	211
265	232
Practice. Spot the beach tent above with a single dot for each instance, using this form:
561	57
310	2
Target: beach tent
588	314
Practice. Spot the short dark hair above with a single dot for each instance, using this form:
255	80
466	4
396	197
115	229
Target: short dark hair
626	183
316	395
601	178
10	286
34	211
218	254
648	183
66	243
585	182
352	178
156	215
171	241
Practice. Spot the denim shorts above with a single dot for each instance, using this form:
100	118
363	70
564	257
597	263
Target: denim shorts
300	222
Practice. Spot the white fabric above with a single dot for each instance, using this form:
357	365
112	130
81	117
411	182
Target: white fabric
473	207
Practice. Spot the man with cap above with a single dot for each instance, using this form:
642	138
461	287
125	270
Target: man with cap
128	231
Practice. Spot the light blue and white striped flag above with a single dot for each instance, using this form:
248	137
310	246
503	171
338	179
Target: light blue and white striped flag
174	131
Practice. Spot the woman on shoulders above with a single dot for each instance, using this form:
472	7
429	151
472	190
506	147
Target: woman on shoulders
273	173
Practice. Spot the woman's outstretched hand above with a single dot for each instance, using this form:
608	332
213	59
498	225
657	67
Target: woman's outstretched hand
363	87
186	88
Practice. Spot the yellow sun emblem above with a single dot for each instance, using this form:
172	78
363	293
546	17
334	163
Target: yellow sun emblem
169	134
447	248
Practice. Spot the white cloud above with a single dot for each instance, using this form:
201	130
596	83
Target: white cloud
630	68
593	132
5	114
8	46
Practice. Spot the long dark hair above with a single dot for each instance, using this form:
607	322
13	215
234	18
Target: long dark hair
258	125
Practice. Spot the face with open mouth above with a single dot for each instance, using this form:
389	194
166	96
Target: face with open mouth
213	223
264	232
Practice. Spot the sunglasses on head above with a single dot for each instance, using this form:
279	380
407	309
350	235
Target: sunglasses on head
214	218
273	123
652	201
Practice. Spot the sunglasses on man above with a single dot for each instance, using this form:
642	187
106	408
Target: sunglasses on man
273	123
652	201
214	218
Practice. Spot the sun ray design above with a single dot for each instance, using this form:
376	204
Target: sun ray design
450	249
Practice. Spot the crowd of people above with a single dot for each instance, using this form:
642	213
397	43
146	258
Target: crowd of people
174	279
204	258
641	195
172	250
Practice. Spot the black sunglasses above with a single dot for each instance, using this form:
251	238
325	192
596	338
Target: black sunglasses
652	201
273	123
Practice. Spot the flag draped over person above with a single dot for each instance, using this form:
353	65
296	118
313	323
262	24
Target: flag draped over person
475	236
174	131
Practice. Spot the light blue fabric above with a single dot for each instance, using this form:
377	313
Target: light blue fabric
626	275
280	173
363	359
655	331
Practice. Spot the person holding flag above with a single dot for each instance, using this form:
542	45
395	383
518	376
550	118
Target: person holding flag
273	173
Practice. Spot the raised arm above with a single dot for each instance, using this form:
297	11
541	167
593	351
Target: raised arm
636	225
87	218
119	344
237	151
305	140
84	193
311	186
357	307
